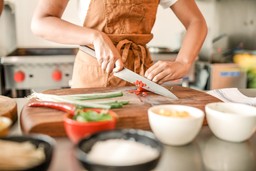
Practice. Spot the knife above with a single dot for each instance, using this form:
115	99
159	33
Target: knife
131	77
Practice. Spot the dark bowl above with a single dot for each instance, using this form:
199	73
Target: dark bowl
37	139
84	146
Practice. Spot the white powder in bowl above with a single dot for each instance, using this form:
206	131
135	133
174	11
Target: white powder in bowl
120	152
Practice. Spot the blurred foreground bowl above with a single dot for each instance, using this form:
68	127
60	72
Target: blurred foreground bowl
37	140
85	145
231	121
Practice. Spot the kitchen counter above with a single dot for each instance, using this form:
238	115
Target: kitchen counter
205	153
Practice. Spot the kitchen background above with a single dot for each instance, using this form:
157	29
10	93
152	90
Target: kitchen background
29	62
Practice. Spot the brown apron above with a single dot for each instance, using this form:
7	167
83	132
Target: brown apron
128	23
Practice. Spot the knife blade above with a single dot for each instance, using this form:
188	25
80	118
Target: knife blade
131	77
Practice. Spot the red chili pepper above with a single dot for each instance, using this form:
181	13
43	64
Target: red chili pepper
136	82
140	89
66	107
137	92
144	93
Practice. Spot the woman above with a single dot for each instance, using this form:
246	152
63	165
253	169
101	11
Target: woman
119	30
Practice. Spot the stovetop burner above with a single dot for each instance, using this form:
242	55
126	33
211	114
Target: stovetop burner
43	51
36	68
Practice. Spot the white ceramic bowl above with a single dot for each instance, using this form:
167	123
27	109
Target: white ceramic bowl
175	130
231	121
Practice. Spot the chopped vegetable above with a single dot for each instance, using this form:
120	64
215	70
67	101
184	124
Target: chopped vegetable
140	90
91	116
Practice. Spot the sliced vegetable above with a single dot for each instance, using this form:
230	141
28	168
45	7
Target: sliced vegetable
139	90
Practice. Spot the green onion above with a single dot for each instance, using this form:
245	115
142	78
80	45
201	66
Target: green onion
55	98
94	95
76	99
116	104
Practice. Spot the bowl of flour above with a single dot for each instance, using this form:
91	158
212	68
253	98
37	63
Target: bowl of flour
125	149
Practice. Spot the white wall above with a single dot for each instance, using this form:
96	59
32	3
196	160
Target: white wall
24	11
167	30
7	32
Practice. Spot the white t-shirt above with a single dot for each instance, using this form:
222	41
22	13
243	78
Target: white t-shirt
167	3
84	4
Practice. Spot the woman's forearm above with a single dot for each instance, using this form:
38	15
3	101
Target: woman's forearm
60	31
192	42
196	30
47	23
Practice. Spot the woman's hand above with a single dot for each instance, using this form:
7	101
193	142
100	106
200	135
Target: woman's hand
196	29
163	71
107	54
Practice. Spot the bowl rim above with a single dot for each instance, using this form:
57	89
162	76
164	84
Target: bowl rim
229	114
193	117
70	121
139	132
35	136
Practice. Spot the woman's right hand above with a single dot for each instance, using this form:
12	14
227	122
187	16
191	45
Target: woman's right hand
107	54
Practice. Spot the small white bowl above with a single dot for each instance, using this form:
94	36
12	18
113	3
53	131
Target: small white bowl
233	122
175	130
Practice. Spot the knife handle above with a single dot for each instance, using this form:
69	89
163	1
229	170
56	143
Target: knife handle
88	50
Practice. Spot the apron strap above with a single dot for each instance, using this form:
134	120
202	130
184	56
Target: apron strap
140	39
139	60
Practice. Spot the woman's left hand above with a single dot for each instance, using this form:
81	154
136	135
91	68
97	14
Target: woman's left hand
163	71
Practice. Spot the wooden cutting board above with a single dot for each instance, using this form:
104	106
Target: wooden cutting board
8	108
134	115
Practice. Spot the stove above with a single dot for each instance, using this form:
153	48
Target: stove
29	69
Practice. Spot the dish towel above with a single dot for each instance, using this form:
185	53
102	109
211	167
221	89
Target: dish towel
232	95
